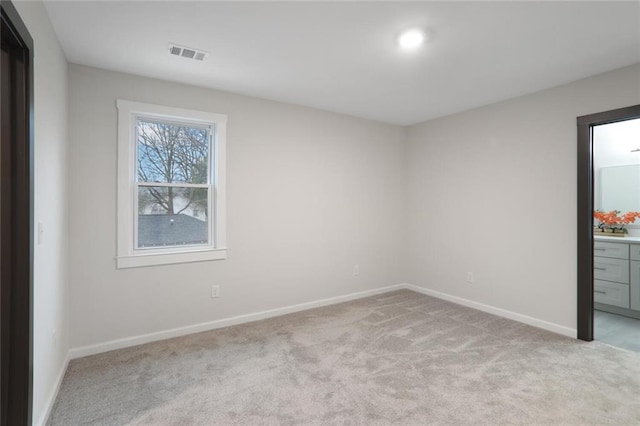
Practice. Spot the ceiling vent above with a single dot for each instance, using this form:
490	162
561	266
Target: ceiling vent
187	52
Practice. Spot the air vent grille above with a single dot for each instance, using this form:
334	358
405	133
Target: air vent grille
187	52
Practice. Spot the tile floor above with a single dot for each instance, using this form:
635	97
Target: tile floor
616	330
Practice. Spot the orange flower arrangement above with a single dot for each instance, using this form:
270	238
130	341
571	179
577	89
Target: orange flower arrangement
614	220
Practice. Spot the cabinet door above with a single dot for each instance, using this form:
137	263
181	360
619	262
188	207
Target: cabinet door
609	269
634	289
634	251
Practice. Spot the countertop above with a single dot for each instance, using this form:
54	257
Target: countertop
632	240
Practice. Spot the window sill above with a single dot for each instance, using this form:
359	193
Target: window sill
156	259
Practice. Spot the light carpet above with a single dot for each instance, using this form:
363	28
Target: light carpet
396	358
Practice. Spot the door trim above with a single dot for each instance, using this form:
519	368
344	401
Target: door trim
585	206
17	322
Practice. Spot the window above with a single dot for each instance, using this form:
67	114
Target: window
171	197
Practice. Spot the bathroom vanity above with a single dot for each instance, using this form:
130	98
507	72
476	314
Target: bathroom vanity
616	270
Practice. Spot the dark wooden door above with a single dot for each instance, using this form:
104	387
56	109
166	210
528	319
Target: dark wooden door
16	219
5	266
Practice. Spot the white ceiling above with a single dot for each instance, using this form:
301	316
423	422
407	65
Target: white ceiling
343	57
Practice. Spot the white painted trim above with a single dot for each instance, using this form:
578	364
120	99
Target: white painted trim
241	319
153	259
48	406
168	112
549	326
127	255
225	322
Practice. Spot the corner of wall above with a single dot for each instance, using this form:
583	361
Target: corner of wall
51	254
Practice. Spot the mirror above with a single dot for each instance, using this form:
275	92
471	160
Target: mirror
616	161
619	188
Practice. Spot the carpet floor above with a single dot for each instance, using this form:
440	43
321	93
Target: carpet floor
400	357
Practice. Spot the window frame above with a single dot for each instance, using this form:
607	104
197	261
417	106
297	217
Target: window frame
128	254
211	181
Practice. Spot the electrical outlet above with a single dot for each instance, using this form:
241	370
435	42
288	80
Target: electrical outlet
356	270
215	291
470	277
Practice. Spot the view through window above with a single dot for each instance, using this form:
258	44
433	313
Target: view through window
173	184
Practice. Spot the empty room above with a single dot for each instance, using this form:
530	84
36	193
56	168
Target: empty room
323	213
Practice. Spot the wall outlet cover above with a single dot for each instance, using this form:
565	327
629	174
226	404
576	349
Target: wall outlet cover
215	291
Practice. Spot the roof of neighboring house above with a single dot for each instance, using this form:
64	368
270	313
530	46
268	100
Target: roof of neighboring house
156	230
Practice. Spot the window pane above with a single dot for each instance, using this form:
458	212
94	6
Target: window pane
172	153
172	216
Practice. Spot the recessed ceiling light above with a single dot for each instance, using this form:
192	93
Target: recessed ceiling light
411	39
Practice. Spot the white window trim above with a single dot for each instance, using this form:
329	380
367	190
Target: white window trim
127	255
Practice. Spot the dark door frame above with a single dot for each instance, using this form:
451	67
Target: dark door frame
16	208
585	210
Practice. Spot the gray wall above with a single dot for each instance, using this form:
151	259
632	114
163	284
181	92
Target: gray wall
493	191
310	194
51	330
490	191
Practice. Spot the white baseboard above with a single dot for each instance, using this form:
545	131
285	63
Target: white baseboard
241	319
225	322
556	328
48	406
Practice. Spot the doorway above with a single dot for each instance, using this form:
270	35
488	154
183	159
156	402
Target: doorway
585	209
16	219
616	261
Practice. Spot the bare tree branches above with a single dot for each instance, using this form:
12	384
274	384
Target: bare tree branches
171	153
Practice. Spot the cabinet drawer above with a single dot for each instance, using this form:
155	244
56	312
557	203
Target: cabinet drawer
634	250
611	293
608	269
616	250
